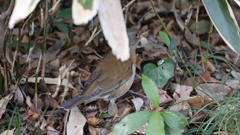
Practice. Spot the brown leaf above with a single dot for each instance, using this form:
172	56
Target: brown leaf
95	121
213	90
195	101
34	113
189	81
3	103
210	66
25	39
206	76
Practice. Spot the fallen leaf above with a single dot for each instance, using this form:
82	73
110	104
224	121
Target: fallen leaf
138	102
76	122
52	131
34	113
8	132
49	81
217	91
95	121
195	101
3	103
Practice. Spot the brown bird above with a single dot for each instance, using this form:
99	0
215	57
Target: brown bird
111	79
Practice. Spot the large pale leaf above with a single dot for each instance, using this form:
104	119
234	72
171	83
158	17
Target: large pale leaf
224	21
84	10
238	2
76	122
131	123
21	10
114	29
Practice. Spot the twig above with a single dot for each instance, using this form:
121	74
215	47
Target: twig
9	10
160	19
197	32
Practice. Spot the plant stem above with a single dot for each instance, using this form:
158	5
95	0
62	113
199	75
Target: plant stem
160	19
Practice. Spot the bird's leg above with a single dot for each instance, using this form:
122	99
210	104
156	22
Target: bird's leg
99	107
114	108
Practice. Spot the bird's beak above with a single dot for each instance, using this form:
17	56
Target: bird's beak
145	32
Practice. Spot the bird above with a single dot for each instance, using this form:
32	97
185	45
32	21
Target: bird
111	79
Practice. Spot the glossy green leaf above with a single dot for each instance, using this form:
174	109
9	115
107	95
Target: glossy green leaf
224	21
66	13
87	4
172	47
160	74
174	120
62	27
151	90
131	123
169	131
156	124
165	38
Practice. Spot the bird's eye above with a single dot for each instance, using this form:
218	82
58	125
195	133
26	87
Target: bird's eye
136	35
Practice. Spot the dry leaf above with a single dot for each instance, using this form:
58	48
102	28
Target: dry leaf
138	102
95	121
184	91
25	39
50	81
210	66
28	102
8	132
236	74
3	103
52	131
163	97
34	113
197	102
76	122
213	90
21	10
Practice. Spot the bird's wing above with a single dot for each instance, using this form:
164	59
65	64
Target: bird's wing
109	75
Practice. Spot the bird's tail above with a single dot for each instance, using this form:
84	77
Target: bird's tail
72	102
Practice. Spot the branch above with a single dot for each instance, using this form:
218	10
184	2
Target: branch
8	12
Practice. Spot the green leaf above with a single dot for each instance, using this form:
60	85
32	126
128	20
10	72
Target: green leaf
224	21
165	38
172	47
131	123
169	131
106	115
203	26
87	4
174	120
66	13
156	124
151	90
204	44
160	74
62	27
